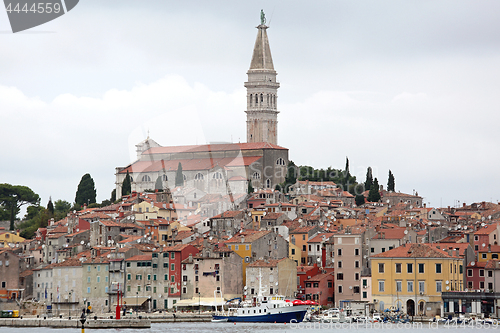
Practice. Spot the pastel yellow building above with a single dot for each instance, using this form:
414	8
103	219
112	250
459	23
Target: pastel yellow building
411	278
9	237
294	252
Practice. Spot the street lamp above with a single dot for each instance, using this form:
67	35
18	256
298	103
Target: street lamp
199	303
136	302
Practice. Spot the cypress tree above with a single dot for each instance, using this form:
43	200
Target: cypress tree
159	183
86	192
359	199
50	207
250	187
113	196
179	178
369	179
391	183
374	194
127	185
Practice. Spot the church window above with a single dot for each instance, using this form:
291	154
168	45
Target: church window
262	97
164	178
217	179
256	99
268	183
256	175
146	178
198	176
184	177
280	161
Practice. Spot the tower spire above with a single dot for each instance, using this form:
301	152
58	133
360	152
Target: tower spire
262	88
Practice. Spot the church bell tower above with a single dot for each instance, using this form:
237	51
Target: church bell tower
262	88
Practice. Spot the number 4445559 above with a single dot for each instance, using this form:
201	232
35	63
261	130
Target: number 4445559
40	8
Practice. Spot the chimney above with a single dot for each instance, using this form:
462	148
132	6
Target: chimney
449	209
457	253
463	205
425	205
449	252
382	235
489	247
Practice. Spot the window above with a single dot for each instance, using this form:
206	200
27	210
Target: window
421	268
355	289
438	268
398	268
383	249
356	276
280	161
339	264
381	268
484	255
330	284
172	255
439	286
490	285
98	279
166	277
365	294
481	272
399	286
409	268
356	264
469	272
494	256
172	278
88	290
293	252
308	284
490	274
138	277
340	289
372	250
88	267
340	276
88	280
129	276
481	285
146	178
356	252
172	267
339	252
421	286
409	286
128	288
381	286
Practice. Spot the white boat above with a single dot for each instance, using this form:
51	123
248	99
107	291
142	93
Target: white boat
269	309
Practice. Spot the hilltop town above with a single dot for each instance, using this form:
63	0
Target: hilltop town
188	222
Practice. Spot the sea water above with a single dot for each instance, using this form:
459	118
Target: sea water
305	327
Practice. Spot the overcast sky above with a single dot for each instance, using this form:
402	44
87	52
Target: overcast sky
411	86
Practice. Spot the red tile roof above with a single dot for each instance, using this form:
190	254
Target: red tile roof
414	250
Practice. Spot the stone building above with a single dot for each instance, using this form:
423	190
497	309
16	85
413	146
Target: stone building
274	276
223	168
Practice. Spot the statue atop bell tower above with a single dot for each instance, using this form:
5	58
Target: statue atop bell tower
262	88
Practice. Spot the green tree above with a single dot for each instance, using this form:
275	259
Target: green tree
62	206
369	179
159	183
291	174
13	197
127	185
113	196
179	178
360	199
391	183
374	194
50	207
86	192
250	187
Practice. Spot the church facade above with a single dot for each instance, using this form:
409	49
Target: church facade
223	168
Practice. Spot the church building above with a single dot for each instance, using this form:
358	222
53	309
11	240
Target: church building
223	168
